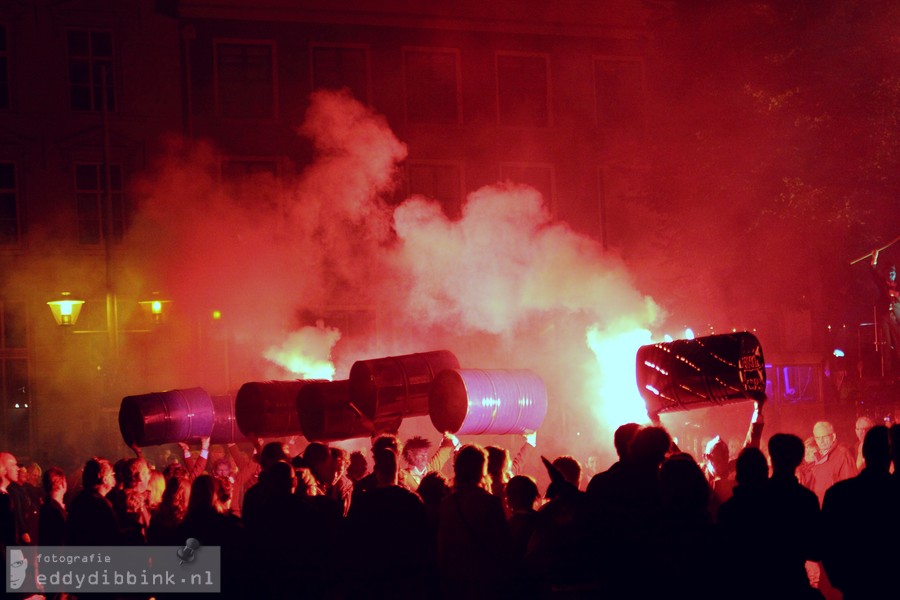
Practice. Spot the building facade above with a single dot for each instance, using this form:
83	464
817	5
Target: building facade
547	94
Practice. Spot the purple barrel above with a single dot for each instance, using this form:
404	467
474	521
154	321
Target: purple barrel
476	401
702	372
177	416
326	414
386	390
268	409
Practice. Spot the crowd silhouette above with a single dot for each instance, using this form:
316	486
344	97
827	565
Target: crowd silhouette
783	519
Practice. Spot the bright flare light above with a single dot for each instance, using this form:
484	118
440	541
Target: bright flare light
618	400
307	352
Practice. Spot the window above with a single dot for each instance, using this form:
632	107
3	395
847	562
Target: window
90	63
4	67
246	82
15	391
339	67
619	94
441	181
9	205
523	90
90	192
432	85
541	177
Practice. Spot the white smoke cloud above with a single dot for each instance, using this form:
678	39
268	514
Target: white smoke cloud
504	286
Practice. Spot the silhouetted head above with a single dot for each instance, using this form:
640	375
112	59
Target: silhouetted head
751	468
386	440
650	445
469	466
358	466
683	486
272	453
570	469
521	493
98	473
280	478
622	438
432	488
385	466
876	448
53	479
498	462
317	457
787	451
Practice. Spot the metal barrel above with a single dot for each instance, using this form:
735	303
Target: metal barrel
326	414
702	372
176	416
268	409
386	390
476	401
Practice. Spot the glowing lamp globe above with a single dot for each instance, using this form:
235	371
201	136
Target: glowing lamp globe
66	309
157	309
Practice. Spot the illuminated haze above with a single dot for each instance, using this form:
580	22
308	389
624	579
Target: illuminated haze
504	286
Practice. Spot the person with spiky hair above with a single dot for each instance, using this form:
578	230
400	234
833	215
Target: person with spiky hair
415	453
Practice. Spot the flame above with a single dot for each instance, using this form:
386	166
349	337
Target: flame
615	388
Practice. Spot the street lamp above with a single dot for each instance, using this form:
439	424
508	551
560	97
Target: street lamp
156	308
66	309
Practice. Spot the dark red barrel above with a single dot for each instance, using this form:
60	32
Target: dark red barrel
478	401
266	409
176	416
326	414
386	390
702	372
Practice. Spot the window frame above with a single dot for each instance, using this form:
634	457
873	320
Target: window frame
367	53
217	93
112	99
100	195
498	54
455	52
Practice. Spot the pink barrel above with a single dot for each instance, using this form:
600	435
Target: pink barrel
476	401
386	390
176	416
326	414
266	409
702	372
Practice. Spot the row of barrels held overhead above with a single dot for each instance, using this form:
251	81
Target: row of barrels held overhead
376	397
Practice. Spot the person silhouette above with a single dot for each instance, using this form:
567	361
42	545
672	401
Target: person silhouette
859	515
